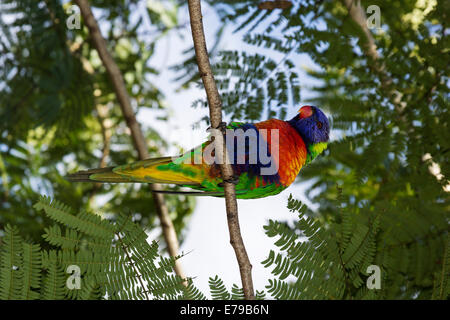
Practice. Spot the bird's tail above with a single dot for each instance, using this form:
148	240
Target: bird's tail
149	171
97	175
155	170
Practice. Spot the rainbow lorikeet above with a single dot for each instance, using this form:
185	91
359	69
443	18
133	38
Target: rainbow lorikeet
266	158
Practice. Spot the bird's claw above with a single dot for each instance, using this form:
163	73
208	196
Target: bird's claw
234	180
222	127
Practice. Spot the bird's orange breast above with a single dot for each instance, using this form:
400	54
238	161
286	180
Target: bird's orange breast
290	148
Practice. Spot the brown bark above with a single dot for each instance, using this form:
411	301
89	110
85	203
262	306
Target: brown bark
215	112
102	113
136	133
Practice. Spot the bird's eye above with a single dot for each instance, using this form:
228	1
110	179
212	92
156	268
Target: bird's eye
319	124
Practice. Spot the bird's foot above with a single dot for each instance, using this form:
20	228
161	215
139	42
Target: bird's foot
222	127
234	180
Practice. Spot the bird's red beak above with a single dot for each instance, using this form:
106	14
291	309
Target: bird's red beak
305	112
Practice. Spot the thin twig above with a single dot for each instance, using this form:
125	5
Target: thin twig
105	124
215	112
102	115
137	135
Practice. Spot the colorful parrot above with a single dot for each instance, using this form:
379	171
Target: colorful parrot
288	144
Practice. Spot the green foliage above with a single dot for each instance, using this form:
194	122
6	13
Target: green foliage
315	259
220	292
250	82
390	128
390	131
329	260
115	261
52	89
114	258
441	287
50	80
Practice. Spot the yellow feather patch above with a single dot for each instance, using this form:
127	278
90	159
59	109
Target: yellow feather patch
319	147
167	176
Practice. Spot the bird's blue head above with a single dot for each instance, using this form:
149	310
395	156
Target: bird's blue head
312	125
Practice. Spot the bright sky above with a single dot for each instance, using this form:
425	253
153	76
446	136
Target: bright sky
207	237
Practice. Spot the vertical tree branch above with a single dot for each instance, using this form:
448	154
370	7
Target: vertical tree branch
136	133
358	15
105	126
215	112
